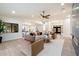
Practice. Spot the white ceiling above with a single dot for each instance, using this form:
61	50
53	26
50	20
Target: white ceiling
26	10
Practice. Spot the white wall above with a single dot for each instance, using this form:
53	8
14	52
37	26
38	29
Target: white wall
67	28
64	22
11	36
58	22
39	27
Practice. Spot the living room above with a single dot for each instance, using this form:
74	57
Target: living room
44	22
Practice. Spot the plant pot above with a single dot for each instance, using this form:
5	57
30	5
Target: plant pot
0	39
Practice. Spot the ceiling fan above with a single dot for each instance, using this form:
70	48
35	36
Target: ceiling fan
44	16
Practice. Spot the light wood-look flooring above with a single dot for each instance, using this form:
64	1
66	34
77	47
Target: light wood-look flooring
68	49
17	47
22	47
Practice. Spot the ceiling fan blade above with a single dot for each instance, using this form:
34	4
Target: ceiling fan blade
47	15
44	16
41	14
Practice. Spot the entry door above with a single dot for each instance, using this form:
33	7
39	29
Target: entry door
57	29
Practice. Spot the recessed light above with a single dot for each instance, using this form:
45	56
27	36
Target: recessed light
62	4
13	12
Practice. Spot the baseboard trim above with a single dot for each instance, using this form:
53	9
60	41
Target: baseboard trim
68	36
12	39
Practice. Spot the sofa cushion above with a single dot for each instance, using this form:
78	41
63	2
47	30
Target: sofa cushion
30	38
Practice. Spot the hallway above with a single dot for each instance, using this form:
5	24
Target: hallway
58	47
54	48
68	49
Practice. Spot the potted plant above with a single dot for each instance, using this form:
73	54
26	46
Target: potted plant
1	29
